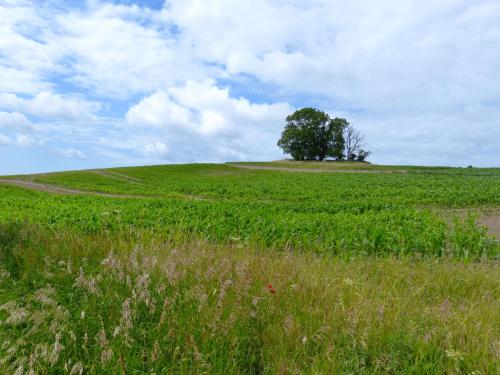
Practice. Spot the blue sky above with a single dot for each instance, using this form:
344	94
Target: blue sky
122	83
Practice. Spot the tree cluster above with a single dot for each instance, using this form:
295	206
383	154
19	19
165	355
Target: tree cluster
311	134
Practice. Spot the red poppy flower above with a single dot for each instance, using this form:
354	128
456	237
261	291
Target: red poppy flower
271	289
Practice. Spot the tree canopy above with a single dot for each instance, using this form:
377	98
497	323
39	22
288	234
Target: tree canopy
310	134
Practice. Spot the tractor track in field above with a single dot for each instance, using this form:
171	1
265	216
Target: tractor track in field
54	189
118	176
46	188
310	170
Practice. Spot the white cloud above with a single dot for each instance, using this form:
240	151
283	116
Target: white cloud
69	153
25	60
25	140
51	106
14	120
157	150
21	140
118	50
389	56
416	76
159	110
206	120
203	108
4	140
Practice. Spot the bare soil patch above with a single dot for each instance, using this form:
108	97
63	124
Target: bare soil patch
488	217
492	223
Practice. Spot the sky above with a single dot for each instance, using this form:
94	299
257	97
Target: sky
93	84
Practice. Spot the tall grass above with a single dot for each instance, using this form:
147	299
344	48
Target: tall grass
105	303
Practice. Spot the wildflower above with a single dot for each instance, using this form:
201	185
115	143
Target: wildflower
304	340
348	281
271	289
455	355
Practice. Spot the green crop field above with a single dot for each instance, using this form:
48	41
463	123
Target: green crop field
278	267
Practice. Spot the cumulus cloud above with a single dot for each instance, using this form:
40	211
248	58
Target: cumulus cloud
119	50
207	117
21	140
69	153
25	140
14	120
387	56
159	110
48	105
156	150
4	140
27	50
204	108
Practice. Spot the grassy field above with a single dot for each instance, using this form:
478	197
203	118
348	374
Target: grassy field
350	268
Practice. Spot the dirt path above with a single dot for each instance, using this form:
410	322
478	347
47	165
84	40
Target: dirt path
310	170
28	184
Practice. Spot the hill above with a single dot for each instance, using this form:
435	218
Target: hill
273	267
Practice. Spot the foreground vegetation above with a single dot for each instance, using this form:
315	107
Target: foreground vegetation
101	304
215	268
